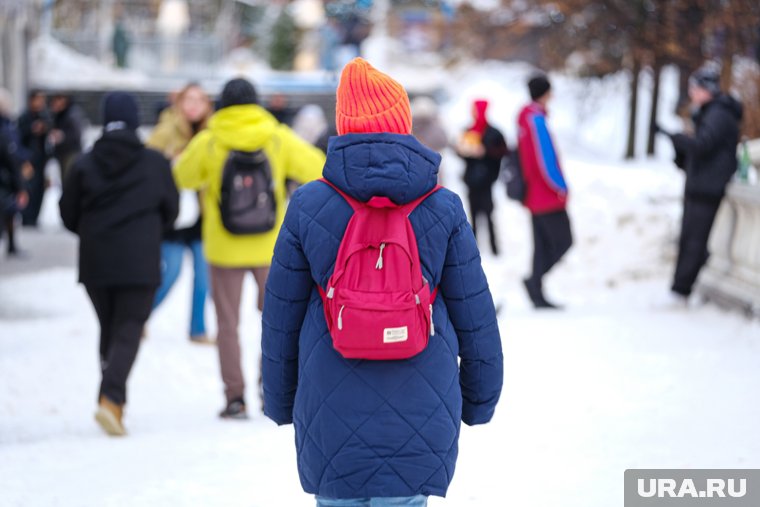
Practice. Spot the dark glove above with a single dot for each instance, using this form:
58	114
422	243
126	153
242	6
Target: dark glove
680	160
659	130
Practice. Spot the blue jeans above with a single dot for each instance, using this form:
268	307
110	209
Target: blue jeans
171	264
399	501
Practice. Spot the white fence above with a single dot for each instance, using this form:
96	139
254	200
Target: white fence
732	275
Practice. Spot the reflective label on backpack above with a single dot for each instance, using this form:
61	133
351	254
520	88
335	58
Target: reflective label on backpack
395	334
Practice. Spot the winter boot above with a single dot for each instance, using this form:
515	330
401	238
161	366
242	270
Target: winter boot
202	339
235	410
536	295
109	416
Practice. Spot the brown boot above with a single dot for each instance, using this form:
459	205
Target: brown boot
202	339
109	416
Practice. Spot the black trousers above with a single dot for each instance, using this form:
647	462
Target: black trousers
552	238
36	189
478	208
122	312
698	218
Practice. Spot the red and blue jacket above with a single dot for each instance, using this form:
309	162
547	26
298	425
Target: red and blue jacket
546	189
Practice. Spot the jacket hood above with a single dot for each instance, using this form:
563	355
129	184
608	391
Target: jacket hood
116	151
396	166
730	104
245	127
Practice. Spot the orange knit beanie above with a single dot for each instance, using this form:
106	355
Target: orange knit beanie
370	101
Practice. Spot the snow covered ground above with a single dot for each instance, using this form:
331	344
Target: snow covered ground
616	381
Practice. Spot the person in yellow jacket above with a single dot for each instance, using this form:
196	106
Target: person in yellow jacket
240	125
176	127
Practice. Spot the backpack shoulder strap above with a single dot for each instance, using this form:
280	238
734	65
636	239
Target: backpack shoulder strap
355	204
409	207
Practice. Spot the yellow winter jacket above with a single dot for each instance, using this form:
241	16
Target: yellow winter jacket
243	128
171	134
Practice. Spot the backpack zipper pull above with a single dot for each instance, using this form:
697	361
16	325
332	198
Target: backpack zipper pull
379	264
340	318
432	326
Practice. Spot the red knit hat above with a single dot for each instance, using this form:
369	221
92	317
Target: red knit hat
370	101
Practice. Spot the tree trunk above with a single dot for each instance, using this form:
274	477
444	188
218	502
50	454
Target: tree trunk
656	71
630	151
727	72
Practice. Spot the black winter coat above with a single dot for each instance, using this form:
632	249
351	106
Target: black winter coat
71	121
481	173
709	157
10	179
119	198
34	143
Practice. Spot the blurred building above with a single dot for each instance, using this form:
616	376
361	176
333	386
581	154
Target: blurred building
15	17
165	36
421	26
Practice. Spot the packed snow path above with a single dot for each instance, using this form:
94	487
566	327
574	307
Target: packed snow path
616	381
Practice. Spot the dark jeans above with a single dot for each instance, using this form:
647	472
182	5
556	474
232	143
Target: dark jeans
475	211
122	312
552	238
9	212
698	217
36	189
65	162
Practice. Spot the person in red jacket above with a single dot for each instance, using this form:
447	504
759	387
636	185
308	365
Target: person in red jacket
546	190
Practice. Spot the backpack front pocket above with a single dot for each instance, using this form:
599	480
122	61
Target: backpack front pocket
395	328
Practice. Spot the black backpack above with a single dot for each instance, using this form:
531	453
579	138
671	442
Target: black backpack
247	202
512	175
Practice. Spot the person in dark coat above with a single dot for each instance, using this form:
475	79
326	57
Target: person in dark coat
428	128
15	164
279	106
33	126
482	147
118	199
12	193
377	432
709	160
120	43
66	136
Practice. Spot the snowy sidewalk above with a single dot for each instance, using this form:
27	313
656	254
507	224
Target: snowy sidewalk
45	249
612	383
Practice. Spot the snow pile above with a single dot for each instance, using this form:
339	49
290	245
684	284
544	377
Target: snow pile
55	65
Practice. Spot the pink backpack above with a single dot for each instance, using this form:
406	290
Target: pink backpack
377	304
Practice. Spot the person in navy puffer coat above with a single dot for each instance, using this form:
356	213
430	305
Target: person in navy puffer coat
384	432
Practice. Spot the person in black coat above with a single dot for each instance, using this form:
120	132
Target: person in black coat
68	123
12	193
33	127
709	161
14	163
482	147
119	199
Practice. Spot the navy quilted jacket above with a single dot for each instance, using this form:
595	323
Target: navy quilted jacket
378	428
